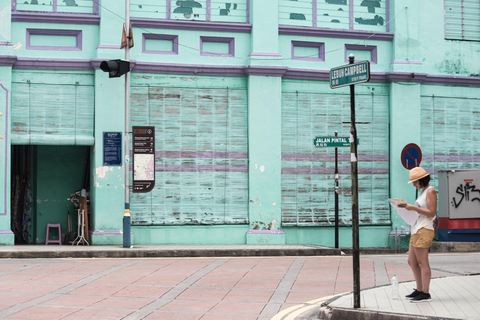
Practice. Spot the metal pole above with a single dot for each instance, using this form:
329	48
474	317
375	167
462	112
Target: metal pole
336	194
355	224
126	215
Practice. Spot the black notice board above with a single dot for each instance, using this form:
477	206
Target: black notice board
143	158
112	148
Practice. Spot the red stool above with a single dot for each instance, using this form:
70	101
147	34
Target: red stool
54	225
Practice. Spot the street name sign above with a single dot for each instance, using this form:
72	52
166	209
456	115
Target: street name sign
350	74
335	142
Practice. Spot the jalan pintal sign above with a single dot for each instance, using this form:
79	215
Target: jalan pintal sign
350	74
329	142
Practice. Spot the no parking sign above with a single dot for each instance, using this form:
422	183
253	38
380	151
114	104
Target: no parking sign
411	156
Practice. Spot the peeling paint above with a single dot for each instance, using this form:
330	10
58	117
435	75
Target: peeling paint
256	166
274	203
102	171
259	204
262	168
259	225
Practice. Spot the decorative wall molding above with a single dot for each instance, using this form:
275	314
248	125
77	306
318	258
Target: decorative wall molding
235	70
150	36
191	25
54	32
334	33
68	18
320	46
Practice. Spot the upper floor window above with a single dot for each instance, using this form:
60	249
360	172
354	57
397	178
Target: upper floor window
200	10
462	20
57	6
366	15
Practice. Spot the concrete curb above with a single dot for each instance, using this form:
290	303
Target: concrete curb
358	314
85	252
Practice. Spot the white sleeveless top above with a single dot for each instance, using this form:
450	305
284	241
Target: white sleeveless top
423	221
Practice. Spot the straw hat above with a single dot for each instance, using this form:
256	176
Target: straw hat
417	174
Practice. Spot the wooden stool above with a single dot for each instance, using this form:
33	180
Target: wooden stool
54	225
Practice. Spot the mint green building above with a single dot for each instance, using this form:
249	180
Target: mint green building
236	92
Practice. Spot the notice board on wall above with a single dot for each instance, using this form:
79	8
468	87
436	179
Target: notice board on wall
143	158
112	148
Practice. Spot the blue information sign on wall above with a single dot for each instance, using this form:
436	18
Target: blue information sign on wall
112	148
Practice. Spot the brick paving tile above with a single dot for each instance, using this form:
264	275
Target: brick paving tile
264	274
118	279
228	317
238	308
122	303
184	272
299	297
17	297
226	273
159	281
188	305
42	313
254	283
73	301
40	287
248	295
97	289
5	306
142	291
310	285
217	282
63	277
98	314
213	294
158	315
24	276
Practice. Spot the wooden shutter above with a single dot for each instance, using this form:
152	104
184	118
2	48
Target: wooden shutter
462	20
201	166
308	172
52	114
450	133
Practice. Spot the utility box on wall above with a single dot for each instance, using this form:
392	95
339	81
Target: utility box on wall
459	205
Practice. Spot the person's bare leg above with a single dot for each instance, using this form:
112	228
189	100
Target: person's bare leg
421	255
417	272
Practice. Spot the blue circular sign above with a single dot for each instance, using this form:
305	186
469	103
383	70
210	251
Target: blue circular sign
411	156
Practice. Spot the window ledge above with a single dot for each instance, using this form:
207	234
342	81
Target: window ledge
45	17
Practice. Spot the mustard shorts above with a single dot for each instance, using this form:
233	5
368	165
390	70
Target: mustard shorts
422	239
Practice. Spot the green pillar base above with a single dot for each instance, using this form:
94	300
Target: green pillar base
265	237
403	240
7	238
108	237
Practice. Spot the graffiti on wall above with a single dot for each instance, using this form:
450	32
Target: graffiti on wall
466	192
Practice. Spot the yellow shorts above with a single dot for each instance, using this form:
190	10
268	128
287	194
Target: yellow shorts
422	239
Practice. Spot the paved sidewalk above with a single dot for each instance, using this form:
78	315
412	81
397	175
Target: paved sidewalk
452	298
226	282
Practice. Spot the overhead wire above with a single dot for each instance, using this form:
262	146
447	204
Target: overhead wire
256	59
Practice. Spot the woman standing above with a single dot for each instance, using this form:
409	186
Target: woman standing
422	233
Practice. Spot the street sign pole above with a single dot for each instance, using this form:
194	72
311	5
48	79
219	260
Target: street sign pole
336	194
354	175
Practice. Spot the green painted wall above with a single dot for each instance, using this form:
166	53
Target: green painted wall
60	171
415	112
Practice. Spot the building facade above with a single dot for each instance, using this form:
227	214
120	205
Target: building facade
236	92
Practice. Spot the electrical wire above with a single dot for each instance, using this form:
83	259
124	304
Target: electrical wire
259	59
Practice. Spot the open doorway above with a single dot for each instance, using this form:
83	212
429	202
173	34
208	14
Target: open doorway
43	180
